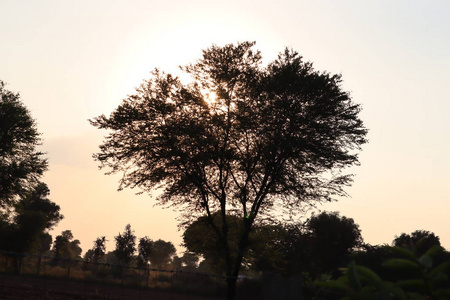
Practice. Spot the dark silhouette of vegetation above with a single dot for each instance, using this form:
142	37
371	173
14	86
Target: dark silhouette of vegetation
26	230
26	214
21	165
411	241
200	238
266	249
373	256
189	261
413	277
145	247
240	139
125	246
98	251
162	253
320	246
33	214
332	240
65	248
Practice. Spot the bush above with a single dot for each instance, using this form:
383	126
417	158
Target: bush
413	277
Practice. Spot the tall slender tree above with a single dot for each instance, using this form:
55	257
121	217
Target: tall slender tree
125	246
145	248
240	138
99	249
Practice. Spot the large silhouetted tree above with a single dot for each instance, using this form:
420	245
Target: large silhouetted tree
21	164
240	138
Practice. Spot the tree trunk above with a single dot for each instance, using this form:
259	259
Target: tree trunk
39	264
231	287
233	276
18	260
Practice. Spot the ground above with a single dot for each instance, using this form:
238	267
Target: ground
22	287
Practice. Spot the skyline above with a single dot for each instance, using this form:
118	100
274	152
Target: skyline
74	61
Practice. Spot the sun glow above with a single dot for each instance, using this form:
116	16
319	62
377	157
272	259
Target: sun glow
209	97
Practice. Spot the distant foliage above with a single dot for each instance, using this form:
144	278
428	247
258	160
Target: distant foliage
125	246
411	241
332	240
162	253
145	248
66	248
98	251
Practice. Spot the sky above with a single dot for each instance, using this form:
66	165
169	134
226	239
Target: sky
74	60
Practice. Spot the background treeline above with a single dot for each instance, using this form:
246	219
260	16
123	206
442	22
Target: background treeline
314	249
311	260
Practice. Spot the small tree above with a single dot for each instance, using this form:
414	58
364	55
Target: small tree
99	249
189	260
145	249
200	239
43	247
238	139
161	253
34	214
125	246
333	239
65	248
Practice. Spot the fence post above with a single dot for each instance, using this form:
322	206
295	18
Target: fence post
68	269
39	264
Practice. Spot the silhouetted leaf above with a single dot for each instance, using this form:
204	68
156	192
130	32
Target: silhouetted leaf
405	253
434	251
415	296
442	268
353	277
426	261
401	264
416	284
369	275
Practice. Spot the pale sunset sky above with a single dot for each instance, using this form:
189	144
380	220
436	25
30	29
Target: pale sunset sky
75	60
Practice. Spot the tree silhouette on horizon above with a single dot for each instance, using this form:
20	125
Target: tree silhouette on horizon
240	138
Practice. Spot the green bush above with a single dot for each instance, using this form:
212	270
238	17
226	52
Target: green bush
412	277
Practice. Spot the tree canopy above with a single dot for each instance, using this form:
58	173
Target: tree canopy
65	247
240	138
161	253
125	246
333	238
418	241
21	165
